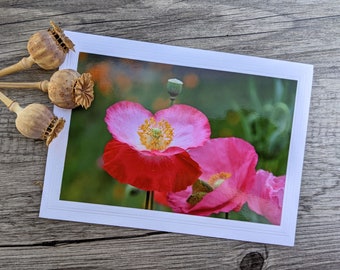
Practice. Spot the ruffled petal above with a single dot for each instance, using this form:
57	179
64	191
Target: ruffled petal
225	198
221	155
123	120
147	170
191	127
266	196
161	198
219	200
232	155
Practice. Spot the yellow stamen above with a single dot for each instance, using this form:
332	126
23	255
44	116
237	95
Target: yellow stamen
201	188
155	135
217	179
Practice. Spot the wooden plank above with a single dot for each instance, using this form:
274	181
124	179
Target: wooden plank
304	31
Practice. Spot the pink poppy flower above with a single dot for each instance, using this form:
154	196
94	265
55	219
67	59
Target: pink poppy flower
266	196
148	150
228	173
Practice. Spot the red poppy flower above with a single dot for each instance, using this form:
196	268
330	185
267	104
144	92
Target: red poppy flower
149	150
228	173
161	198
266	196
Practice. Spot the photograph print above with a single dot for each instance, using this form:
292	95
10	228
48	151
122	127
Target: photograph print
181	140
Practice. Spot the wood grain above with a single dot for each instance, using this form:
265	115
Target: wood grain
303	31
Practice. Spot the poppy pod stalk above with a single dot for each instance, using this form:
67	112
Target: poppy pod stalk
67	88
174	87
35	121
46	48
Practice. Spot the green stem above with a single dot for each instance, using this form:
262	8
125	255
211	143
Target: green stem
149	200
174	87
226	215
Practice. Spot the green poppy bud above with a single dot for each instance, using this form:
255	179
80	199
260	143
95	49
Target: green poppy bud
174	87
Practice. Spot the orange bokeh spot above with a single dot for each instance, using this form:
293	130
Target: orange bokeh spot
160	103
83	57
190	80
101	75
123	82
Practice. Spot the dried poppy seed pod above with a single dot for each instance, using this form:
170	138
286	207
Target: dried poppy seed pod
47	48
35	121
66	88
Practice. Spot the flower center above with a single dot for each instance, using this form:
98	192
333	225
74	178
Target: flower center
201	188
155	135
217	179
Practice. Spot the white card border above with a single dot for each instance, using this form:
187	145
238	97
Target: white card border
54	208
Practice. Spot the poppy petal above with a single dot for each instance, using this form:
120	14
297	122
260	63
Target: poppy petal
161	198
123	120
221	155
147	170
191	127
266	196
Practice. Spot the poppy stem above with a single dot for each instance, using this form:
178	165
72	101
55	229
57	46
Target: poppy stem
149	200
226	215
174	87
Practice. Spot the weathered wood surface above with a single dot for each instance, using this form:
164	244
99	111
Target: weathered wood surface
304	31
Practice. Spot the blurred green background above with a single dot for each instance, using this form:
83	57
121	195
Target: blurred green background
255	108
